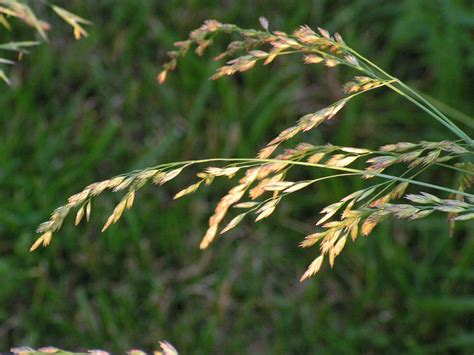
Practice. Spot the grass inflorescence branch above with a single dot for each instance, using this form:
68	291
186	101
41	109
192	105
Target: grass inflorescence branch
20	10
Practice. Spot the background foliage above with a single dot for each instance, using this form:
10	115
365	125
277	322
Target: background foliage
81	111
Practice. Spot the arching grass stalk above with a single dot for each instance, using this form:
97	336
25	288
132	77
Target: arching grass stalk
263	181
259	162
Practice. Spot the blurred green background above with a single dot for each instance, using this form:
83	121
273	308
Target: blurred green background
81	111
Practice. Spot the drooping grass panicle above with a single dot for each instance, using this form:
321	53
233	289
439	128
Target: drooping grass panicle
263	182
260	177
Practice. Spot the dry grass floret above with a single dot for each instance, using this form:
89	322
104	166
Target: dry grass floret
265	180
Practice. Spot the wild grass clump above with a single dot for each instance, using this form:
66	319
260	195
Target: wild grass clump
261	182
20	10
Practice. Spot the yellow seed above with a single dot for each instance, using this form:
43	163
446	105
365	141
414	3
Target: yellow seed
368	226
162	76
130	199
313	268
312	59
331	62
355	231
108	223
79	215
36	244
88	210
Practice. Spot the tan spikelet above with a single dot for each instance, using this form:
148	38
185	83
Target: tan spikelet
170	175
44	239
208	237
88	210
130	199
267	151
316	158
355	231
298	186
368	225
312	239
313	268
79	216
107	224
188	190
234	222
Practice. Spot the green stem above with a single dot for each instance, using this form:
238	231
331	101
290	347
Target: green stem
453	113
301	163
425	104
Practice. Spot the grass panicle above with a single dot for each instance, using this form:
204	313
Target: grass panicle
262	182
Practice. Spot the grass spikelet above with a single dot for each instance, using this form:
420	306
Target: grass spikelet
329	211
161	77
88	210
267	209
341	160
188	190
298	186
234	195
44	239
170	175
313	268
246	205
372	220
79	215
312	239
234	222
166	349
229	172
313	59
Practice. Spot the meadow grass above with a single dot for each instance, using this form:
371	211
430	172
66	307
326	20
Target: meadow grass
145	281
